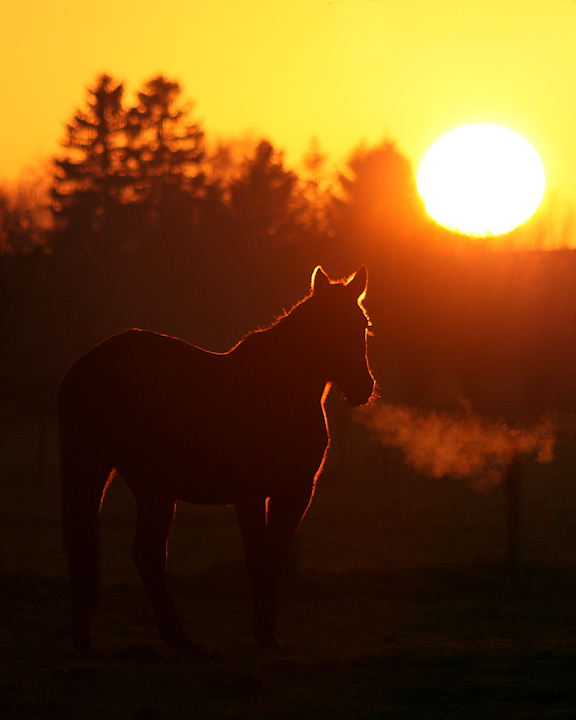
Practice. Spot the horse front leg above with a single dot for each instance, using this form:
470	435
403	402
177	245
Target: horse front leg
267	531
149	552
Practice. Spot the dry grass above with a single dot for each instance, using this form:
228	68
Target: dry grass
402	608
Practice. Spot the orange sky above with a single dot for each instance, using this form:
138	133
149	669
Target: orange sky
343	71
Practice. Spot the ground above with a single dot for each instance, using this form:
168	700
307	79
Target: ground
400	604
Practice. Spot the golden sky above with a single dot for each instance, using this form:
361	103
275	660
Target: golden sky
342	70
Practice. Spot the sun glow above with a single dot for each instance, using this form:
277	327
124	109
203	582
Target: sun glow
481	180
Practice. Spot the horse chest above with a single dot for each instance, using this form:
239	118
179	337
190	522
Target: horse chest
261	432
225	454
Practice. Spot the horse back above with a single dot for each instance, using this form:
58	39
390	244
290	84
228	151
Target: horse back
156	405
133	372
134	389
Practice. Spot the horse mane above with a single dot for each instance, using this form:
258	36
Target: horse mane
295	311
293	324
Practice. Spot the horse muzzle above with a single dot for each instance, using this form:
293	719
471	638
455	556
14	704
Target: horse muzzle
358	397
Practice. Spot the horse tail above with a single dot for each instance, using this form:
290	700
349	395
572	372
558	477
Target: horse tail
84	477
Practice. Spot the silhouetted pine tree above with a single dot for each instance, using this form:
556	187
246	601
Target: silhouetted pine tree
23	242
379	202
316	190
89	179
165	150
265	200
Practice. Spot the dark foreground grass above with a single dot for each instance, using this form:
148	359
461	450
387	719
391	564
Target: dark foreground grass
452	642
402	608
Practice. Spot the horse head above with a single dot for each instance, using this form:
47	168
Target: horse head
344	333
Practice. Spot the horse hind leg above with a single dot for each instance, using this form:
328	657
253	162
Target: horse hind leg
82	489
149	552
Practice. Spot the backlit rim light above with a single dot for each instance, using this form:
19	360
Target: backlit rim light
481	180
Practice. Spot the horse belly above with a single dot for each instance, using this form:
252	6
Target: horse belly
260	459
276	453
191	430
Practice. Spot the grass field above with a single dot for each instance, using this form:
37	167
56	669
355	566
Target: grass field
401	605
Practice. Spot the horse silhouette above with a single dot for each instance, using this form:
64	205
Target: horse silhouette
178	423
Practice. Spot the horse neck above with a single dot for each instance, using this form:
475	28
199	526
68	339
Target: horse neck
291	351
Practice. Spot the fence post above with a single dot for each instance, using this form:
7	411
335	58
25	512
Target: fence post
513	481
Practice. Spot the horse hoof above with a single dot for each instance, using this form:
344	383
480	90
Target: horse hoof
138	654
192	653
190	649
270	645
183	645
81	640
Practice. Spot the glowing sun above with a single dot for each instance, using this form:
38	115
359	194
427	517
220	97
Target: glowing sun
481	180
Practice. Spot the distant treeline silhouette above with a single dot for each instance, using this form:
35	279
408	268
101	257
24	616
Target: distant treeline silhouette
142	217
144	221
134	177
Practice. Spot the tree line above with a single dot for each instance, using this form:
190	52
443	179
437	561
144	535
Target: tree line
139	209
135	176
143	221
132	176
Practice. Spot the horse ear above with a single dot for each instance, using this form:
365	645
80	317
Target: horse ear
320	281
358	282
